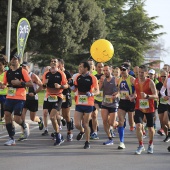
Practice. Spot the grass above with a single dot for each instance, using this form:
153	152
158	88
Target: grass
41	98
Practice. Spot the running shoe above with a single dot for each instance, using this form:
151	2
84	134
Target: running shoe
139	150
53	136
161	132
22	138
26	131
70	137
121	146
150	149
167	139
59	139
94	136
86	145
63	121
80	136
108	142
40	124
144	136
45	133
132	128
10	142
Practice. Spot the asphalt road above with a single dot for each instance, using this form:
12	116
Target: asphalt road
38	152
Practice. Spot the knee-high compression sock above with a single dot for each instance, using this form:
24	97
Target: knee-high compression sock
121	133
11	130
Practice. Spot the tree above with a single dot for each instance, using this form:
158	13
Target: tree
58	26
130	29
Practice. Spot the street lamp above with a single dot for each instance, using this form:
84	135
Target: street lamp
8	36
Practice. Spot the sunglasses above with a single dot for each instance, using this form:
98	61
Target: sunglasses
123	69
163	76
53	61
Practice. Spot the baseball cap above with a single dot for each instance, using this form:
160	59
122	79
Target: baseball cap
151	71
15	55
25	63
125	66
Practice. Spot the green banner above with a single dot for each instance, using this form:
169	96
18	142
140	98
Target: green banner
23	30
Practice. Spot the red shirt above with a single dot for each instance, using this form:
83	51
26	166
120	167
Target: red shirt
145	105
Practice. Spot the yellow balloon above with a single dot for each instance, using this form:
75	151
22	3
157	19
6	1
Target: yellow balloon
102	50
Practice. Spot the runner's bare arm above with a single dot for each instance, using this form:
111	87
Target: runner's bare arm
132	79
154	91
36	80
17	82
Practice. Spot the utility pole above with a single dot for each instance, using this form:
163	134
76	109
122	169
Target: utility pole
8	35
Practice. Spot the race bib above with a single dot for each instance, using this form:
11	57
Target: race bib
11	91
64	98
163	101
108	99
99	97
123	94
82	99
52	98
143	103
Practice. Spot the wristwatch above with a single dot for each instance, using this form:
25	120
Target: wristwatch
147	97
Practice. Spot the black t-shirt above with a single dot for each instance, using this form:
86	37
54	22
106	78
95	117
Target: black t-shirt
84	83
53	78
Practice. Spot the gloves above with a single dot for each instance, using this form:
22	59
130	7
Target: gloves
89	94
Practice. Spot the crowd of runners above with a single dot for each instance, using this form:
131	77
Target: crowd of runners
114	92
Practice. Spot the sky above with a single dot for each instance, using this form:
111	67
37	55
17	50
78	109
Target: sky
161	8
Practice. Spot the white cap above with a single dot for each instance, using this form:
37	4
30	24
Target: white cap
151	71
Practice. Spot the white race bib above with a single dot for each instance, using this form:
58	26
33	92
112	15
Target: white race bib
11	91
82	99
108	99
143	103
124	94
52	98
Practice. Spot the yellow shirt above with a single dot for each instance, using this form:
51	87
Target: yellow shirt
2	91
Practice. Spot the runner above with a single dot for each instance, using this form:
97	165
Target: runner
55	81
126	89
110	101
166	120
87	87
151	74
67	102
31	102
97	105
145	94
3	92
17	79
45	109
162	105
